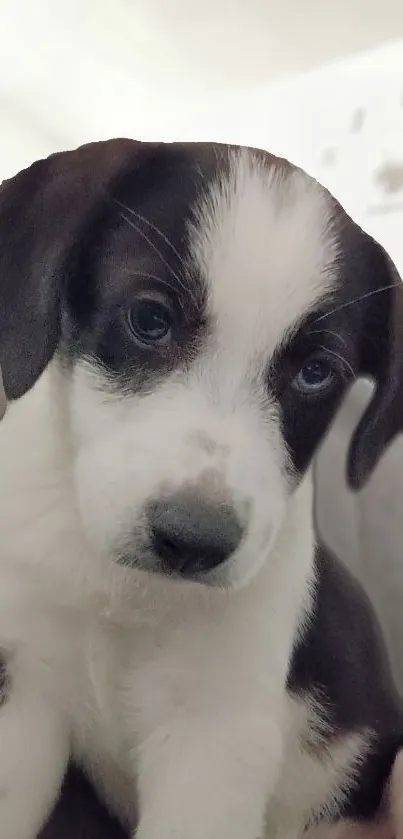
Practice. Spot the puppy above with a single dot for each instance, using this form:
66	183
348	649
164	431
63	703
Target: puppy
178	326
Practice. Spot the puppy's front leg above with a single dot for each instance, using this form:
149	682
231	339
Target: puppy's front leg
33	756
209	779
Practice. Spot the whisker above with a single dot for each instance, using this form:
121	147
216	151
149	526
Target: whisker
153	277
329	332
146	276
358	300
147	239
154	227
200	171
340	357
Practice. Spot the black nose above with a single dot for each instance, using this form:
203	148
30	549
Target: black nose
191	535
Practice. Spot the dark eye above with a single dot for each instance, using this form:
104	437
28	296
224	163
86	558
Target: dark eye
151	321
316	376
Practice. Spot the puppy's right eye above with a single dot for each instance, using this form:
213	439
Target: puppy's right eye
151	320
315	377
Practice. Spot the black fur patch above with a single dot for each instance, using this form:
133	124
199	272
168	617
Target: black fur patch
343	655
79	814
136	240
5	681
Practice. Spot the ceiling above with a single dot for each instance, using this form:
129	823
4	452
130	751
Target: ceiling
205	46
227	43
232	70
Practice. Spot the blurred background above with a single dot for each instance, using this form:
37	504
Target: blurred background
317	81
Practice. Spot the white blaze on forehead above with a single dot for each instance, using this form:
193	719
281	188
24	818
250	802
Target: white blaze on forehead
265	244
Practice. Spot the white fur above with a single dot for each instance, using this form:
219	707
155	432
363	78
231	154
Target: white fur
172	693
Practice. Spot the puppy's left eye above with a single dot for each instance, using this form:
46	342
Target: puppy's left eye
315	377
151	321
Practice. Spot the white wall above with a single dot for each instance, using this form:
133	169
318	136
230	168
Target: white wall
88	69
210	43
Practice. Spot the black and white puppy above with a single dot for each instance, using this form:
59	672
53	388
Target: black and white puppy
166	621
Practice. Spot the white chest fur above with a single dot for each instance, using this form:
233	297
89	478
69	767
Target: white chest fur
150	696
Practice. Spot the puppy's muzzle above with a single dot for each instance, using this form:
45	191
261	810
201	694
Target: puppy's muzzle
192	535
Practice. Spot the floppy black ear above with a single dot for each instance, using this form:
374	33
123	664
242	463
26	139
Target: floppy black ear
42	213
381	358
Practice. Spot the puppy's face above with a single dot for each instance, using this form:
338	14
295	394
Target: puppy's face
212	313
203	369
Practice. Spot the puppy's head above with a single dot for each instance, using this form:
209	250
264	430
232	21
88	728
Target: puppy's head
208	307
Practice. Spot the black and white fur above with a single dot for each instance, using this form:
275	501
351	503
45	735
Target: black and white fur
246	684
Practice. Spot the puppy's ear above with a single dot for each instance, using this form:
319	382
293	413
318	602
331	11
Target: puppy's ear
381	357
43	211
